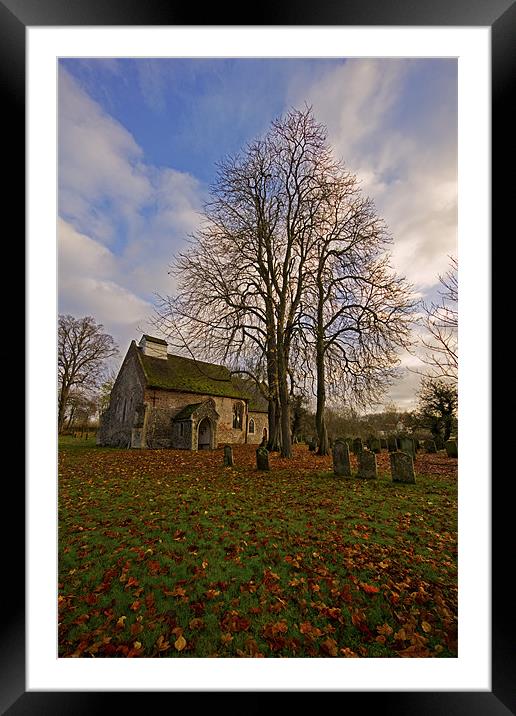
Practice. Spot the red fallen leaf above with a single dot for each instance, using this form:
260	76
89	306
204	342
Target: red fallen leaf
91	599
310	630
153	566
272	630
384	629
233	622
136	628
345	594
80	620
135	605
212	593
348	653
226	638
329	646
196	623
176	592
131	582
369	589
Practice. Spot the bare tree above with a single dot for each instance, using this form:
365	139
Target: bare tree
241	282
83	349
288	247
441	323
356	312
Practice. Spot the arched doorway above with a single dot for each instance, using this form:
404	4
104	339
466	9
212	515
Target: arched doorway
204	435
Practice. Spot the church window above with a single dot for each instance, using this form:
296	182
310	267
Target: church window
251	426
238	414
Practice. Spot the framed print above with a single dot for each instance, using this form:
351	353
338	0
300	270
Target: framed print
39	41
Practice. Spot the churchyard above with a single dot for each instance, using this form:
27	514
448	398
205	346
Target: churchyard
170	553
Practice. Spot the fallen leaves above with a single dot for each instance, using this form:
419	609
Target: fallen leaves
225	563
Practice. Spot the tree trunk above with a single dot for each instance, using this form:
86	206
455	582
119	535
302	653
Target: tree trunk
273	437
286	437
320	423
63	400
274	412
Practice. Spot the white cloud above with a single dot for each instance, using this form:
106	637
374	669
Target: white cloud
79	254
410	174
121	218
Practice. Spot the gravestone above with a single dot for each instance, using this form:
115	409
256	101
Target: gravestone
407	445
430	446
383	443
375	445
228	456
341	463
312	445
136	437
367	465
357	446
451	448
392	444
262	459
402	467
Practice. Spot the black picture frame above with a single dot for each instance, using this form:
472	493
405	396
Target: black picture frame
15	17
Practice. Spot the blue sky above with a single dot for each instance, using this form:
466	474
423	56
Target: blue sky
139	140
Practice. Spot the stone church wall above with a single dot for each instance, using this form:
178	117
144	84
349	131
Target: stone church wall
165	404
125	407
261	421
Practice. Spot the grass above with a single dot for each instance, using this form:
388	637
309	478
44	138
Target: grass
167	553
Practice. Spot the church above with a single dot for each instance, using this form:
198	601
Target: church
160	400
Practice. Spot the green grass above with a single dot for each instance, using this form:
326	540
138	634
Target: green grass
295	562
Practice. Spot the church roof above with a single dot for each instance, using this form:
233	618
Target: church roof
193	376
187	411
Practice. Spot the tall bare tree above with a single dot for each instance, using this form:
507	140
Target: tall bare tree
241	282
83	349
357	312
287	246
441	324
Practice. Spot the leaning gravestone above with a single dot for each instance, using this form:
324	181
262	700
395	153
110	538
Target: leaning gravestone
451	448
341	463
367	465
402	467
262	459
392	444
407	445
357	446
430	446
228	456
